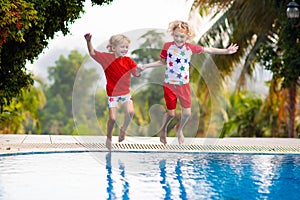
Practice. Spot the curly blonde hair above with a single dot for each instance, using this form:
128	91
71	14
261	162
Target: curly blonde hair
181	26
115	40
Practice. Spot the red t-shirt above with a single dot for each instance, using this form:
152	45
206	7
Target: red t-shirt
117	72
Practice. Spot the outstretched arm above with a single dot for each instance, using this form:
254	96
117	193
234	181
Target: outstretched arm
230	50
158	63
88	38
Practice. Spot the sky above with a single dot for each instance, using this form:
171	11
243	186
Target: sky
120	16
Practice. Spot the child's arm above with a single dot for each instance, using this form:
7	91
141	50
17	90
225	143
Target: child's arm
88	38
158	63
230	50
138	71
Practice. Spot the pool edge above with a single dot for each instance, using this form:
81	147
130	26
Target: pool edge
20	144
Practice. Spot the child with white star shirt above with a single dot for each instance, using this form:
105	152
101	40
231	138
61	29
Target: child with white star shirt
176	55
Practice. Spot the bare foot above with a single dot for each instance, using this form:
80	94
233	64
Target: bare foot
108	143
163	138
180	137
122	135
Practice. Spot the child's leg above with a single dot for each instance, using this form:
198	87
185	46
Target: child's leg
184	93
110	125
129	112
185	115
171	101
164	128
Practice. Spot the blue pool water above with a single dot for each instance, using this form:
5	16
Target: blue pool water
121	175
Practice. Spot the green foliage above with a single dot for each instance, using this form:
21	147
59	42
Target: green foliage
16	18
150	48
243	112
149	51
150	95
274	113
101	2
281	57
290	44
152	91
264	35
26	27
69	73
100	103
22	114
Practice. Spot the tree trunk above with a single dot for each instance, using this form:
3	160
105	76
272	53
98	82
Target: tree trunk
292	111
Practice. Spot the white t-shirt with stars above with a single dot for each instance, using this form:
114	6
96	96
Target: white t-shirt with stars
178	61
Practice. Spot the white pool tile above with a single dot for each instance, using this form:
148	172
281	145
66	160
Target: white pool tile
12	138
37	139
63	139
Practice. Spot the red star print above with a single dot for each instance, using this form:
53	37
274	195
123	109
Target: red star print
111	99
170	64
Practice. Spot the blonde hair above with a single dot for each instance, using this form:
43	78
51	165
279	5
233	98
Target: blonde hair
115	40
181	26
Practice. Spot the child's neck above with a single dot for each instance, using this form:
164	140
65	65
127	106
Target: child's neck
118	56
179	46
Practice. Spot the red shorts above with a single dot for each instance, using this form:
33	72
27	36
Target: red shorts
182	92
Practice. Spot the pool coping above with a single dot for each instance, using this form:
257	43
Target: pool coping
22	143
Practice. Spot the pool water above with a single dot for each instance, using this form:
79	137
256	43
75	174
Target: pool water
134	175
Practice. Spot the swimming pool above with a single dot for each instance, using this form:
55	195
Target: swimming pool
142	175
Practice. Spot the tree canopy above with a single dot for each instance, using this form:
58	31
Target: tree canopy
25	30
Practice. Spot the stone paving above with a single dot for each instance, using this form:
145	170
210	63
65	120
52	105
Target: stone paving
16	144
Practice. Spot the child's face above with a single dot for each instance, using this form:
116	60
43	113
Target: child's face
180	37
121	49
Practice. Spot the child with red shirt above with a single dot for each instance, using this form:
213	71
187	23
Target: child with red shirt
176	55
118	69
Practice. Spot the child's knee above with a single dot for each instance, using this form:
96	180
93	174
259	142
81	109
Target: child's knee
186	115
130	114
112	120
171	114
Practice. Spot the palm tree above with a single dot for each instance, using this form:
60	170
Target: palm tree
251	24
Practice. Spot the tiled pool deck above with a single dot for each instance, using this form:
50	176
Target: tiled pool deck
15	144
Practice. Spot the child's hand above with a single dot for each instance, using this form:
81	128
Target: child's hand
232	48
140	67
88	37
138	70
